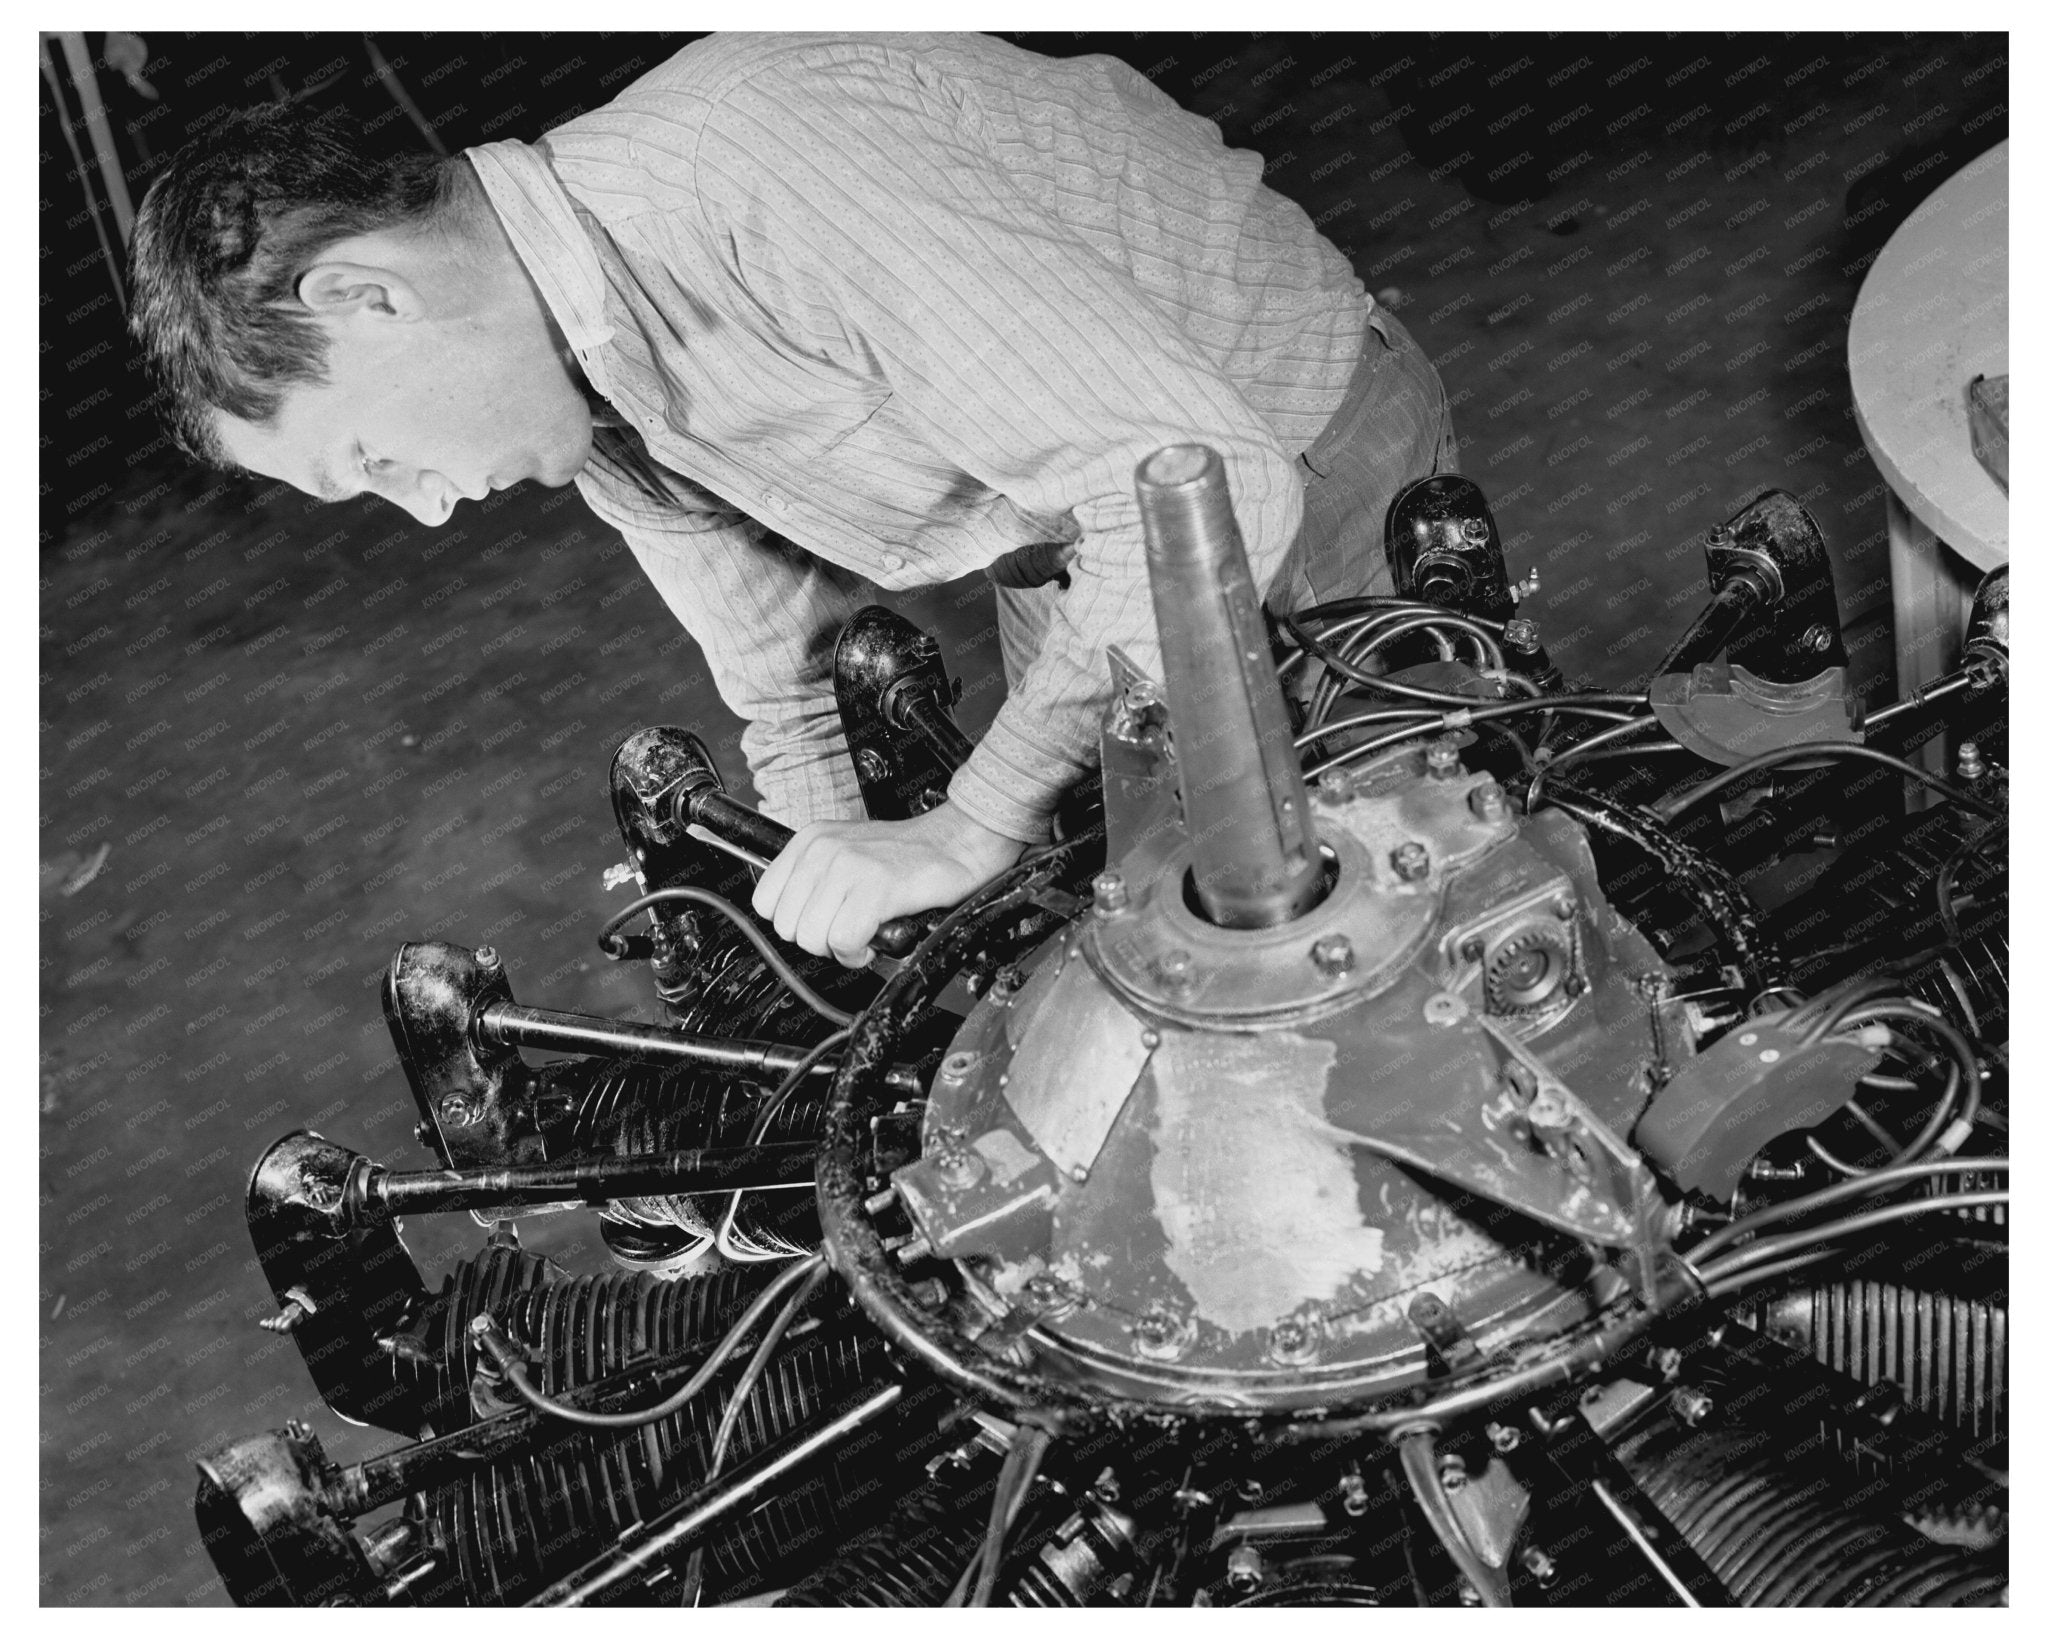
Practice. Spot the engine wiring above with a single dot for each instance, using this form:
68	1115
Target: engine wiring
516	1376
777	964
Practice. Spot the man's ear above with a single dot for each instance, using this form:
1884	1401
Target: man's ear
335	289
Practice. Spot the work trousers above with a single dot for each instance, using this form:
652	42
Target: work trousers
1394	426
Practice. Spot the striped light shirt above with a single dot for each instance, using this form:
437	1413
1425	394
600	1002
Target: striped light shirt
888	308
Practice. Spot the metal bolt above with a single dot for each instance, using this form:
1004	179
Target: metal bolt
1668	1363
1161	1335
1142	696
1338	784
486	956
1720	534
961	1169
1540	1566
1112	894
1522	635
1411	862
1565	907
1352	1489
1816	638
1245	1569
618	876
956	1066
1293	1342
871	765
1505	1436
1441	758
1105	1487
1547	1110
1177	969
908	1249
1333	955
1576	985
457	1111
1489	802
1451	1471
479	1324
1473	949
1443	1009
880	1201
423	1132
1691	1406
1475	529
1969	761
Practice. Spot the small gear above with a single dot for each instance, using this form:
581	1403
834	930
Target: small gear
1527	970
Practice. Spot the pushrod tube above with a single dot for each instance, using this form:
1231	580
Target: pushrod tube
384	1195
510	1024
690	1520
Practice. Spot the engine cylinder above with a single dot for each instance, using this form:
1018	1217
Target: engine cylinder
1779	1532
517	1524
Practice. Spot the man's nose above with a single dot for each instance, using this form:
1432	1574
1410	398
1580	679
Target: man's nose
430	498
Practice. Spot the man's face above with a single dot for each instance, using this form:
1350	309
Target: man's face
424	410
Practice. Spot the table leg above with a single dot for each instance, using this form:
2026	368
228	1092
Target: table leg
1931	589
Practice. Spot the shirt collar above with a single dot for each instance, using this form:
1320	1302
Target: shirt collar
540	219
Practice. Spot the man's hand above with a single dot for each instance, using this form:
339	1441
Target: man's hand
839	880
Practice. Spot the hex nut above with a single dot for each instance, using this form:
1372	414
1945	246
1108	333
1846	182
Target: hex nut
1334	955
1411	862
1245	1569
1112	893
1177	969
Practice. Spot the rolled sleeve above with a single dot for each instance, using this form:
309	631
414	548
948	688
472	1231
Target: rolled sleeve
767	617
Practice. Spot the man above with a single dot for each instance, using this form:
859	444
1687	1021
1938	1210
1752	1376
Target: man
801	316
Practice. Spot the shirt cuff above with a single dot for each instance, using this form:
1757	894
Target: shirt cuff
1011	785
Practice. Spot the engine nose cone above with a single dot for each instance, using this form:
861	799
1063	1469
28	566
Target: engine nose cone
1256	862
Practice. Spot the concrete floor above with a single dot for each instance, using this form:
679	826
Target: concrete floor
302	734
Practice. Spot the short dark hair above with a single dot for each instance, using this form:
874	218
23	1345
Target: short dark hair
223	236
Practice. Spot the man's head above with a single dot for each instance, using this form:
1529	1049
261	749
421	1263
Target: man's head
348	324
